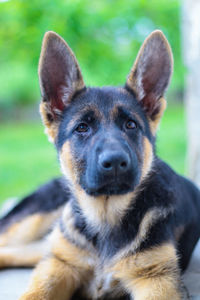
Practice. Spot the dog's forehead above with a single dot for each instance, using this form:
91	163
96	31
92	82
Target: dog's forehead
105	101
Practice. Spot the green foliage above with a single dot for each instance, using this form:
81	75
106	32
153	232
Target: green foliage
105	35
27	159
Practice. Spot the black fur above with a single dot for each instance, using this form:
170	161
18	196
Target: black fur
103	126
45	199
162	189
107	132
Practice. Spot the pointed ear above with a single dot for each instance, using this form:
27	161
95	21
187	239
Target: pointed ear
151	72
60	78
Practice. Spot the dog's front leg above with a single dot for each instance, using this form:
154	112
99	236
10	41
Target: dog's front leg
59	274
151	275
52	280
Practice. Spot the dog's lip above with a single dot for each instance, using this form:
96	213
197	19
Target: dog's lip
111	184
110	188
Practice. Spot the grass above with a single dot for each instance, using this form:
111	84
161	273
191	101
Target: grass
171	138
27	159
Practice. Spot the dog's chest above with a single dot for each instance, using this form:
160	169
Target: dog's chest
103	283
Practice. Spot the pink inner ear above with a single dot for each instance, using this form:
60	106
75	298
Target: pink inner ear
53	76
60	75
151	72
150	85
57	104
152	79
151	104
155	79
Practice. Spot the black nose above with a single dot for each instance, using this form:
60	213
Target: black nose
113	162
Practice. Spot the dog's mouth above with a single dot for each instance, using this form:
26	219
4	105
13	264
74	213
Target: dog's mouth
110	189
101	185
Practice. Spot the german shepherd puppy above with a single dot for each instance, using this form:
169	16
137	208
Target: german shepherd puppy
126	223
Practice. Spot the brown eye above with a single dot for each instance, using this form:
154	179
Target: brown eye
131	124
82	127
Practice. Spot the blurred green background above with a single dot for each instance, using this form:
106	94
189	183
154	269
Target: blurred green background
105	36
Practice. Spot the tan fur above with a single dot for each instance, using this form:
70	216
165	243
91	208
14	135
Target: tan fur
30	228
147	157
115	111
72	232
150	218
123	90
60	274
156	121
23	255
72	261
103	283
67	165
69	252
150	275
51	128
102	209
97	210
52	280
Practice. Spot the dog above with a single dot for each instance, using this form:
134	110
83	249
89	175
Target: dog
120	224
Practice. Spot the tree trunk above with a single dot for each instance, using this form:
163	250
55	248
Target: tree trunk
191	51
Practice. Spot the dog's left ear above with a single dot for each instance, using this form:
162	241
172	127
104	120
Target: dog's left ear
150	74
60	78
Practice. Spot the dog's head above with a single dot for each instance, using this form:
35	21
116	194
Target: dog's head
104	136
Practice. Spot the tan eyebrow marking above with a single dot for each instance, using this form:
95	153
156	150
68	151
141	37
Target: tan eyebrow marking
115	111
78	115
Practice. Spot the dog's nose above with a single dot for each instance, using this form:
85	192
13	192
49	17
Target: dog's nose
113	162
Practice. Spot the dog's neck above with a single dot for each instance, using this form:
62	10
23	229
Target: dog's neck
103	210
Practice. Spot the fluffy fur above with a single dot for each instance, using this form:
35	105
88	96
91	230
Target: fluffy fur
121	224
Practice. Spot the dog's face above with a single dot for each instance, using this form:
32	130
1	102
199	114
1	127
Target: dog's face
104	131
104	136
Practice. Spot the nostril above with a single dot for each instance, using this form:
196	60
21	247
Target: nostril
107	165
113	162
123	164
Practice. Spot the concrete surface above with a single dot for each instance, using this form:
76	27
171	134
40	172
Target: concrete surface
14	281
191	277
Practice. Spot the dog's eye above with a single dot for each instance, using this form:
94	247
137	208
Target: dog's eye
130	124
82	127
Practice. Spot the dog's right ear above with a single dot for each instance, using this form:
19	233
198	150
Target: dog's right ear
60	78
150	76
